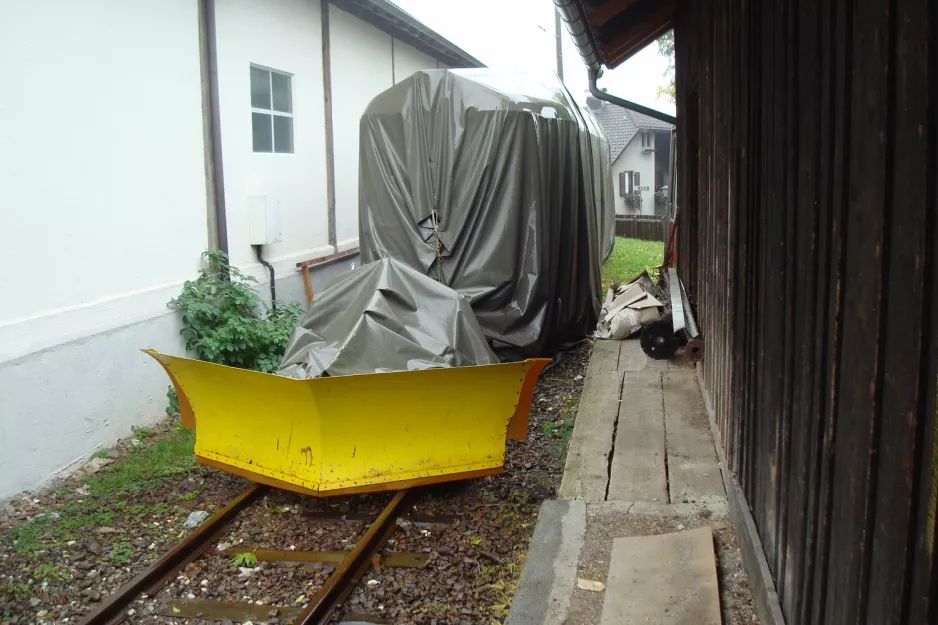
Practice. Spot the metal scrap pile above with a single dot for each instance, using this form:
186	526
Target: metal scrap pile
661	313
629	307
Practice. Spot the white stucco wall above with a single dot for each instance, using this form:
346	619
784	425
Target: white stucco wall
408	60
285	36
103	195
635	158
362	67
104	216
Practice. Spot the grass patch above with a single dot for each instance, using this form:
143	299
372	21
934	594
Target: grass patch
146	466
83	516
501	580
122	552
141	432
435	610
561	427
629	258
29	537
26	537
50	572
12	590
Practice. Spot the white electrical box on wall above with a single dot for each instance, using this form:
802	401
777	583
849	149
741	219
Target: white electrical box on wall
263	219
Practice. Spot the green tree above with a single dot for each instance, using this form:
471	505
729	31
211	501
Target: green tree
666	49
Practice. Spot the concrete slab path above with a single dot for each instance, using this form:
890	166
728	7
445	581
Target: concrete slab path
641	473
663	579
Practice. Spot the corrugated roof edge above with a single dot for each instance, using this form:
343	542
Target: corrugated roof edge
403	26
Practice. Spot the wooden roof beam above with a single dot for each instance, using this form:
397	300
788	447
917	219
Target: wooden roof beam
599	14
630	32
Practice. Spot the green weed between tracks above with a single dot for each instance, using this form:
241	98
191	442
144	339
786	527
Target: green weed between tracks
146	466
561	427
629	258
501	580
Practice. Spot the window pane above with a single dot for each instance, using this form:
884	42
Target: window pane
283	134
283	98
637	179
260	88
260	126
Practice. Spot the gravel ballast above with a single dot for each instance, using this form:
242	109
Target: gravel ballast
64	548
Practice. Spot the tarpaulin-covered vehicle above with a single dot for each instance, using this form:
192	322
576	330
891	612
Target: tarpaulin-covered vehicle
498	185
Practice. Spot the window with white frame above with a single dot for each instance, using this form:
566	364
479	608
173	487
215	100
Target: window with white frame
271	111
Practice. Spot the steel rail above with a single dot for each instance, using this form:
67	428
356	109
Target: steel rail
347	574
111	610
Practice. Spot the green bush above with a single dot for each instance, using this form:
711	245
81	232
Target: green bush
224	320
172	401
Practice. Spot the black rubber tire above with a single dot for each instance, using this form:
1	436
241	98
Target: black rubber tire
658	340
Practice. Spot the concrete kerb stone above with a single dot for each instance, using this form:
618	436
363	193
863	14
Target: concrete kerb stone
550	569
717	507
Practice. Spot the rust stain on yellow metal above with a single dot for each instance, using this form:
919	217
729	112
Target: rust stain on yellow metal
357	432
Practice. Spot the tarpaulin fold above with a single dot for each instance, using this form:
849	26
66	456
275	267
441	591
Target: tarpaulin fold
384	316
498	185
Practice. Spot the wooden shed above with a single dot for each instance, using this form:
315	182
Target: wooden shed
807	169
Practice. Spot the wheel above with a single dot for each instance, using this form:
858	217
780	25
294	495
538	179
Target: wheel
658	340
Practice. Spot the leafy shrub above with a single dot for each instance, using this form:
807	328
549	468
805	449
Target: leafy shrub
224	320
172	401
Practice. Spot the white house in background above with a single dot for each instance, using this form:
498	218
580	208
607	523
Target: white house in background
641	149
133	136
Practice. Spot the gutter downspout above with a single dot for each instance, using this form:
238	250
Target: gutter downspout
577	26
270	270
632	106
218	176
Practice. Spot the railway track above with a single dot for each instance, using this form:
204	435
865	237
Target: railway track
321	607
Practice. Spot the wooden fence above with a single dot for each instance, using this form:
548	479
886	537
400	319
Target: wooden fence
807	230
646	228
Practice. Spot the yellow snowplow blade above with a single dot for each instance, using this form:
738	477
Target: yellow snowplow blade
355	433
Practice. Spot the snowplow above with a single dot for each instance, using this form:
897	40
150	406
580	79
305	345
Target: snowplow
354	433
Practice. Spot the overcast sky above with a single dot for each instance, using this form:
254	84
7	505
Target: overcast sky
520	34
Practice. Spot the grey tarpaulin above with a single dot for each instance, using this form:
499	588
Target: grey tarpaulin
499	185
384	316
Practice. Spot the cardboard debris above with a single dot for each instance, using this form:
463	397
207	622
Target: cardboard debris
629	307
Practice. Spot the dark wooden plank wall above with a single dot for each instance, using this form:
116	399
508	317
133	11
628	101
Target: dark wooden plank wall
807	152
644	228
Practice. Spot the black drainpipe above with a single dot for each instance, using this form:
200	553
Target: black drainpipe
632	106
270	270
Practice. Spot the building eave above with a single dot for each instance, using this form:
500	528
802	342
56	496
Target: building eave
608	32
404	27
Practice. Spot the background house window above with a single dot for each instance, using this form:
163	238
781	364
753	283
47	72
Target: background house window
636	179
647	139
625	183
271	111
